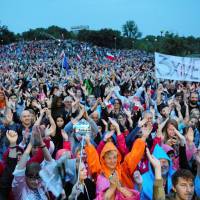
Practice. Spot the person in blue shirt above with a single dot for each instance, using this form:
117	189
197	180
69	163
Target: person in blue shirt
149	177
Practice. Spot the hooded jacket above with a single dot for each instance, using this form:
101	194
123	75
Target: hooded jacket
149	177
124	170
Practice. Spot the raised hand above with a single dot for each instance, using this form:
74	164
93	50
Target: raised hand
171	141
180	136
71	93
152	110
108	135
99	100
186	102
47	131
155	163
152	159
84	89
9	116
128	113
178	106
28	101
85	114
47	111
146	131
142	122
48	102
64	135
12	136
137	177
42	111
114	123
161	126
105	124
190	136
87	139
37	105
36	138
197	157
12	105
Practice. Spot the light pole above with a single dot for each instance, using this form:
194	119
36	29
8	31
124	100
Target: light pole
147	44
1	33
155	40
133	44
115	42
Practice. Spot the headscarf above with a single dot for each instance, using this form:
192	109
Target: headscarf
109	146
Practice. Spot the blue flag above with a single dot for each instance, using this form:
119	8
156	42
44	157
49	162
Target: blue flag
65	64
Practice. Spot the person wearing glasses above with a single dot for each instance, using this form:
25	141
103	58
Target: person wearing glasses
27	183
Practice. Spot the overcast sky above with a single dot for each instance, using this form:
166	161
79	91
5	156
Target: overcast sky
151	16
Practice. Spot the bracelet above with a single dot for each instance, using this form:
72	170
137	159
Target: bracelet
14	147
43	146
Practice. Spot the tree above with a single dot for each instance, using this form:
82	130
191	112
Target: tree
109	38
6	36
130	29
35	34
84	35
52	32
104	37
58	32
172	44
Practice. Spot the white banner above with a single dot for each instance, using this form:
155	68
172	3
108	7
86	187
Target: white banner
177	68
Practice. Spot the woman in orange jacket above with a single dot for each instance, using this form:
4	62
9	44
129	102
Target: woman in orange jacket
109	165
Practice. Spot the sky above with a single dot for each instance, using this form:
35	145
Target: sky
151	16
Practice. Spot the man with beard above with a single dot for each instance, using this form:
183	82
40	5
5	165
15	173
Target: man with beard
193	101
149	177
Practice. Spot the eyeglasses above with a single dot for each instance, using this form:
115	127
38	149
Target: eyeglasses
120	118
32	177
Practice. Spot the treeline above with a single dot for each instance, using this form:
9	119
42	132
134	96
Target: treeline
129	38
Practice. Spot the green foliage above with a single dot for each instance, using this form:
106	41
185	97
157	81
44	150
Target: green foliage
168	43
35	34
6	36
130	30
52	32
126	43
104	37
58	32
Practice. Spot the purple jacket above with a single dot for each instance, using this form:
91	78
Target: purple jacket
20	189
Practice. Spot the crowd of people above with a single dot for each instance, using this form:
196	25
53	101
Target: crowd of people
141	138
